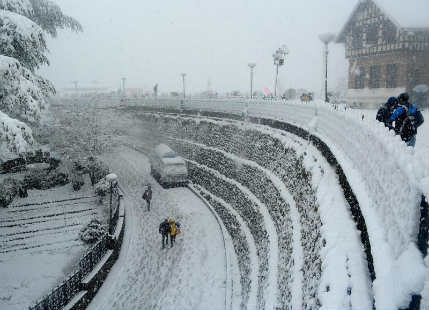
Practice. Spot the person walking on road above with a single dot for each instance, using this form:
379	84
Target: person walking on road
147	195
164	230
174	230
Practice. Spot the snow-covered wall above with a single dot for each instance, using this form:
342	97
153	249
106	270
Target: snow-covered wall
231	150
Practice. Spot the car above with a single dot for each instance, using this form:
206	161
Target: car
167	167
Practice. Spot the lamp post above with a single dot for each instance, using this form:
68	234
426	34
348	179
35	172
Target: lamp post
113	181
123	84
279	60
183	81
251	66
326	38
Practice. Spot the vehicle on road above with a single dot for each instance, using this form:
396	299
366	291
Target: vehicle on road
167	167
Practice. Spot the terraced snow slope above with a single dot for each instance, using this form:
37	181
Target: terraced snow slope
386	176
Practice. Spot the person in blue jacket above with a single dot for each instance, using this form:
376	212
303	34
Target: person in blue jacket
407	118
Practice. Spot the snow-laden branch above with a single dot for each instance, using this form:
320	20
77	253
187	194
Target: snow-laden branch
22	94
49	16
22	7
15	136
22	39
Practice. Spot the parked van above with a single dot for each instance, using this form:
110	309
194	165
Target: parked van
167	167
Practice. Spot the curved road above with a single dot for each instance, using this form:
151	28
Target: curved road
191	275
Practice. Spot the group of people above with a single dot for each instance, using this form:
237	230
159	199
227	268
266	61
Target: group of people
169	227
401	116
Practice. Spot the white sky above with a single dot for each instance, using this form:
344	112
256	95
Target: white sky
152	42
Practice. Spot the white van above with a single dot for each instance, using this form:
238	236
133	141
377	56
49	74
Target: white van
167	167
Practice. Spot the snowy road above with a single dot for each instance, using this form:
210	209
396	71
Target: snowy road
191	275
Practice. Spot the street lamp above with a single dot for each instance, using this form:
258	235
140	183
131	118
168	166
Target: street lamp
123	84
326	38
183	81
113	181
279	60
251	66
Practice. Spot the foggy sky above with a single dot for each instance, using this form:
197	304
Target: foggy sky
152	42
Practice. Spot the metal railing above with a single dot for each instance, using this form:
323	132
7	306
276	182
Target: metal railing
63	293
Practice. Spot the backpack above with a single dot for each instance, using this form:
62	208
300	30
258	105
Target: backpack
382	114
407	129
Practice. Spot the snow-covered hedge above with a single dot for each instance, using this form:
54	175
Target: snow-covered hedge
44	179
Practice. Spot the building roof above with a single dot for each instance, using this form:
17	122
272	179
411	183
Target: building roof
412	14
406	14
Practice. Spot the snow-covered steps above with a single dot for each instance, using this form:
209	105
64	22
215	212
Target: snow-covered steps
241	141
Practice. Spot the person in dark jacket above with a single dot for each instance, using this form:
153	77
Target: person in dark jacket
407	118
386	110
164	230
147	195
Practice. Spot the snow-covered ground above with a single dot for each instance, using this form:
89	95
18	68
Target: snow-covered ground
191	275
39	241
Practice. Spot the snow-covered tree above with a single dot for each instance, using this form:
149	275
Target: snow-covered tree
23	27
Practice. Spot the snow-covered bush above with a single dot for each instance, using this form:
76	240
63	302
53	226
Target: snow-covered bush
92	232
77	181
102	188
97	170
44	179
8	190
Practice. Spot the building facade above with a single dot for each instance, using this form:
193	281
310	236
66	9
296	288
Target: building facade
385	57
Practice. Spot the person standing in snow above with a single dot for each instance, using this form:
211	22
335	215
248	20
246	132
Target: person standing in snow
386	111
174	230
164	230
407	118
147	195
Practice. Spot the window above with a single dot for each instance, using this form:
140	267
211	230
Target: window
357	37
372	34
391	75
374	77
360	78
389	32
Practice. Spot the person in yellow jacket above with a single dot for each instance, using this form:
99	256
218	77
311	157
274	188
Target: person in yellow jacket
174	230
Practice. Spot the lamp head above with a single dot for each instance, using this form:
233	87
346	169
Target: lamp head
327	37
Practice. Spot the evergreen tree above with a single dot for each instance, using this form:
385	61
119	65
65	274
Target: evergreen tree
23	94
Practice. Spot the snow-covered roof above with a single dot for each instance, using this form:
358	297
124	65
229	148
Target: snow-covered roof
410	14
163	150
406	14
173	161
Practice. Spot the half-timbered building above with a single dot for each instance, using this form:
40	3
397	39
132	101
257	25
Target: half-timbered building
387	49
